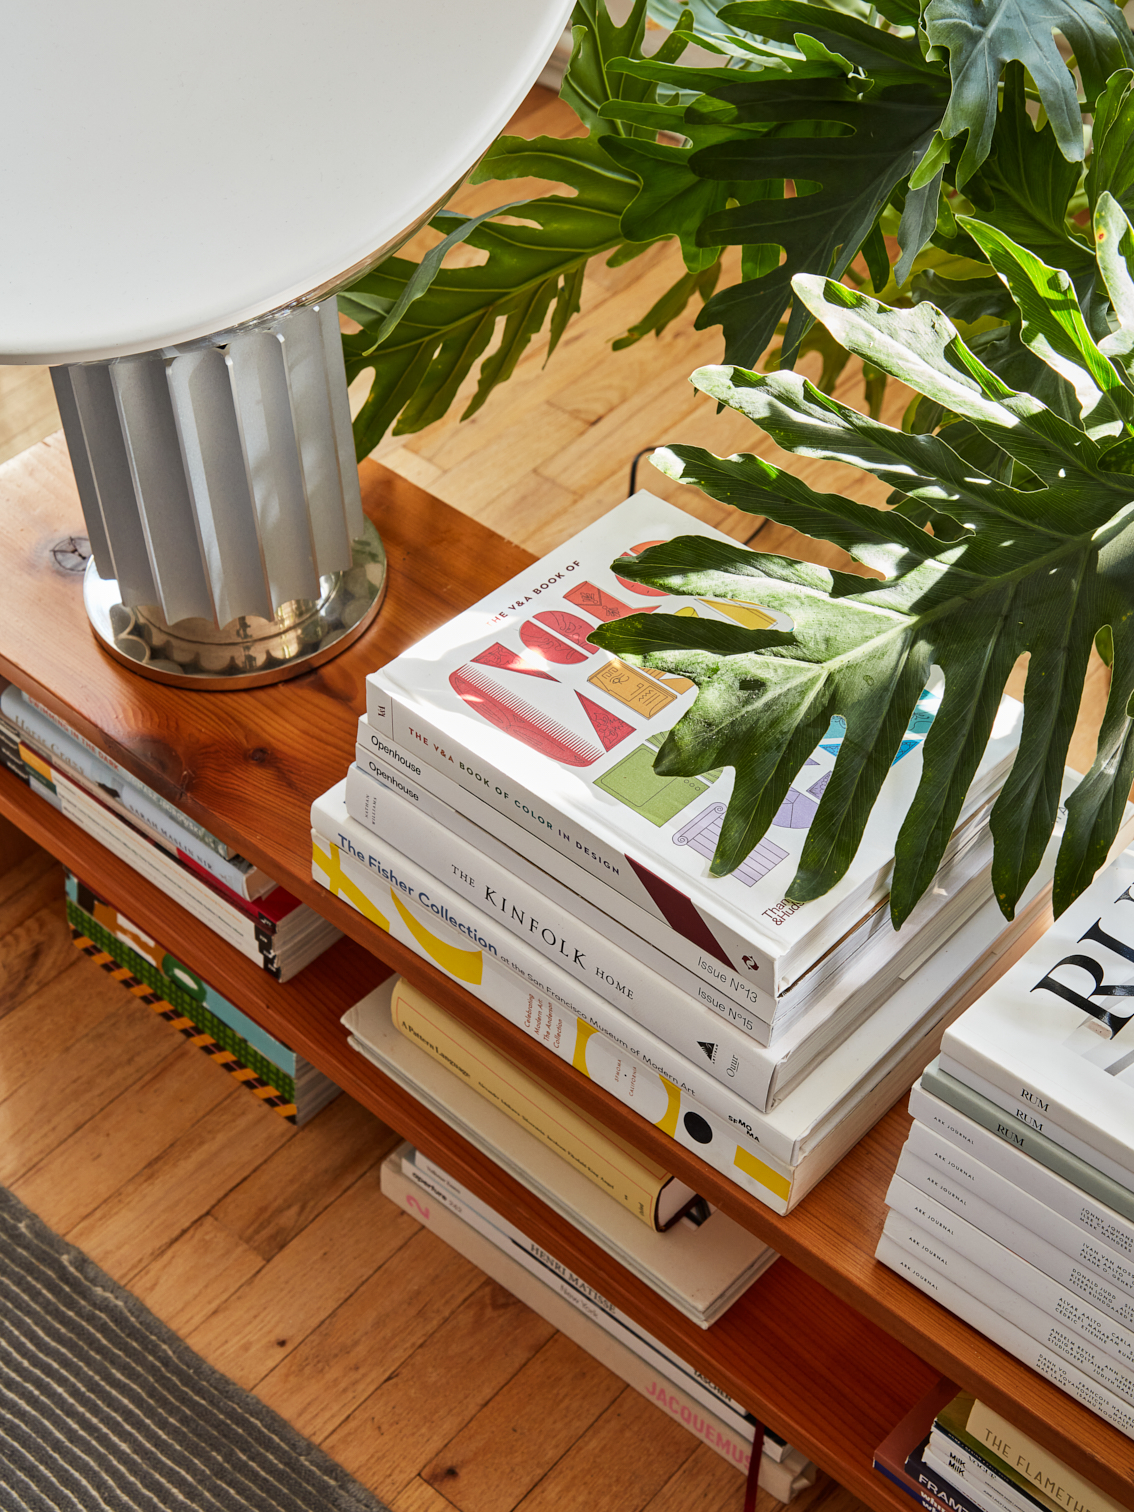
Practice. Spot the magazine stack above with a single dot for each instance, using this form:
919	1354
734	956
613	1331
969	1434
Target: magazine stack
503	819
1013	1201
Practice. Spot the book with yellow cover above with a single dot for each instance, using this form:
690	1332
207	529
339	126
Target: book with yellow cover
631	1178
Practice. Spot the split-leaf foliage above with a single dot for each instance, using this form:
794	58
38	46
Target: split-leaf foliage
979	564
933	153
819	126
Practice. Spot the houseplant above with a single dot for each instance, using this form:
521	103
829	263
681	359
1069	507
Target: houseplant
826	137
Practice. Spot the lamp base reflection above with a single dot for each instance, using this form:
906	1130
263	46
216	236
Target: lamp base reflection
247	652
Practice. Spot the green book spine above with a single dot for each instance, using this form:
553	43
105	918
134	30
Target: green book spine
189	1007
1041	1149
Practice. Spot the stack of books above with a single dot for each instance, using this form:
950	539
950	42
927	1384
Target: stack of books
1013	1201
274	1074
951	1453
504	821
694	1257
205	876
441	1204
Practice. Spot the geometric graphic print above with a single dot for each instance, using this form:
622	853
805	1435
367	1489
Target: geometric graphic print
261	1089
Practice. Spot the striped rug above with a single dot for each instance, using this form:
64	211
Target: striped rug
103	1407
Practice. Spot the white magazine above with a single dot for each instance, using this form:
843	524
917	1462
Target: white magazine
1051	1041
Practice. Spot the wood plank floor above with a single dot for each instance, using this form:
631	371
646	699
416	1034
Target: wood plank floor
272	1250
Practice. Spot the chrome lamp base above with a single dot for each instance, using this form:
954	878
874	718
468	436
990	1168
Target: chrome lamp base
249	651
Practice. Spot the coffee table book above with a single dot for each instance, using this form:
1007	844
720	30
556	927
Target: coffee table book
510	700
243	766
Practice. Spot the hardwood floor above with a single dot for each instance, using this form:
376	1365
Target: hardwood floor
272	1250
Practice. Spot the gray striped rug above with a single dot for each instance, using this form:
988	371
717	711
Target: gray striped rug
103	1407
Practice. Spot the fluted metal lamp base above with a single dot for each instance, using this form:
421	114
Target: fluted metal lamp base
249	651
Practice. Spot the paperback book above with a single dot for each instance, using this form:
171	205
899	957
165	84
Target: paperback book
700	1270
639	1184
138	804
784	1471
512	702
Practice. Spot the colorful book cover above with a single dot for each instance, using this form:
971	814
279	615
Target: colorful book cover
166	974
510	700
266	1082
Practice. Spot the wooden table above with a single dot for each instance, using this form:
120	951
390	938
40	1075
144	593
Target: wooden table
829	1348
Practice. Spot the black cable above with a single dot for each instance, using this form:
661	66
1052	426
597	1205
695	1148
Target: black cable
645	452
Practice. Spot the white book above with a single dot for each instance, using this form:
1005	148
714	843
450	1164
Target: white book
512	701
631	974
140	802
684	961
538	1262
756	1149
986	1319
970	1149
980	1229
700	1271
784	1471
1052	1036
1041	1307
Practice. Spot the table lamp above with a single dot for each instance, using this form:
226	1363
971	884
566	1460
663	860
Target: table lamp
185	189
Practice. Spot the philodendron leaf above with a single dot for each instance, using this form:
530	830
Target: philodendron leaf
981	37
1041	563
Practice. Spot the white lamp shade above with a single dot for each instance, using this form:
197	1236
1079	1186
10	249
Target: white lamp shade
173	170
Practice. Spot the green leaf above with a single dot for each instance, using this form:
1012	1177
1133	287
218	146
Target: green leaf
885	137
587	85
981	37
670	305
1111	169
1039	562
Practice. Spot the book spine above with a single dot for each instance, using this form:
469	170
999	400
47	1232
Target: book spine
952	1462
193	895
913	1489
950	1496
1032	1464
1116	1161
1080	1193
574	1022
573	1314
446	803
390	716
984	1230
538	1262
1047	1312
201	1029
951	1442
170	809
1008	1335
990	1202
605	1160
673	1014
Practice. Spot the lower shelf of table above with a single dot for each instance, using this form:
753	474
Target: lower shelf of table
830	1351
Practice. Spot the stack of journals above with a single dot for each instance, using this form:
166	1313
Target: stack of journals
273	1074
1013	1202
448	1209
504	820
951	1453
226	892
